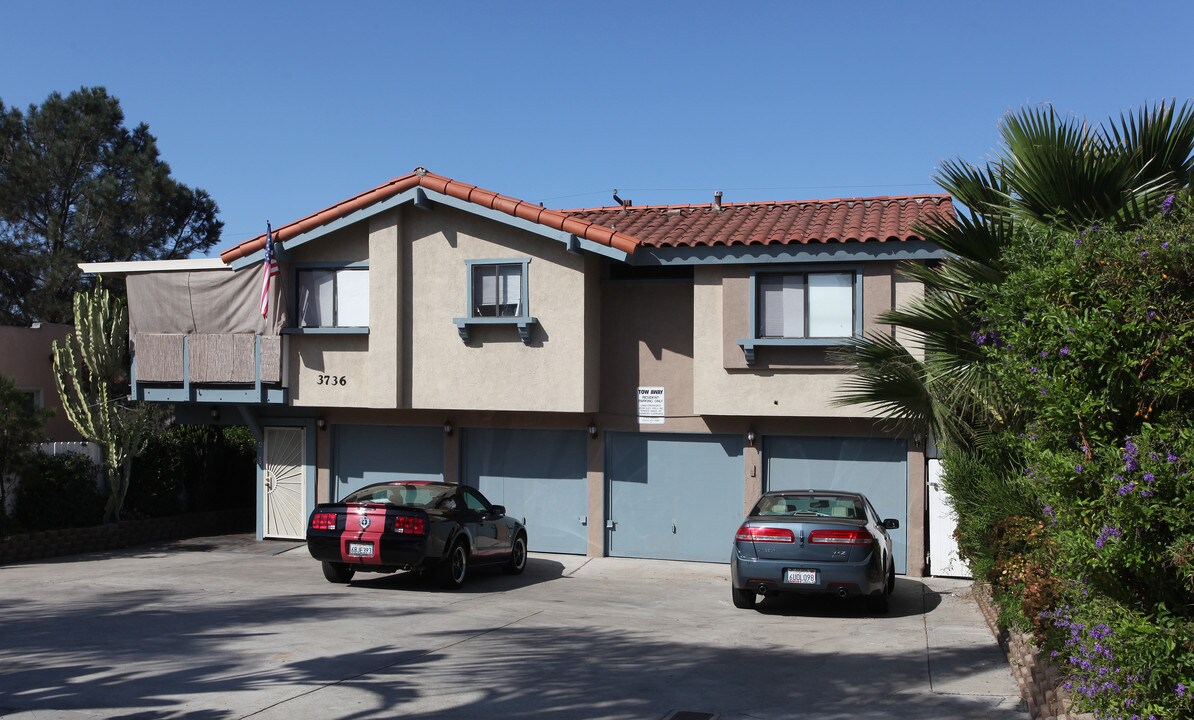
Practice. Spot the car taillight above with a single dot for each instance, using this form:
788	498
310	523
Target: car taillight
323	521
410	525
840	537
765	534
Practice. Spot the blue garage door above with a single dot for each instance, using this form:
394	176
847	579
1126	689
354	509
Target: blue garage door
875	467
674	497
541	476
365	454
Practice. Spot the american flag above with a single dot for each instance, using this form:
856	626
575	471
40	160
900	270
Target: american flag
268	270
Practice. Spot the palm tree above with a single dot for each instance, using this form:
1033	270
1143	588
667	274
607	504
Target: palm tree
1052	171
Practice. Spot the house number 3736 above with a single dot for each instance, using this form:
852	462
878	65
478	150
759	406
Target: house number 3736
332	380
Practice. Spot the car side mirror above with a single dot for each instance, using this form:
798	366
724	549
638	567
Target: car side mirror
891	524
499	512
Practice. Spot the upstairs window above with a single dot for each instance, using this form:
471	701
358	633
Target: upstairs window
805	305
498	290
333	297
497	296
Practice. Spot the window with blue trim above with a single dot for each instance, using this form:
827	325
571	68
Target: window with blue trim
805	305
498	290
791	308
497	295
333	297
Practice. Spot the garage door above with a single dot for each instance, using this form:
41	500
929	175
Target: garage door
876	467
541	476
365	454
674	497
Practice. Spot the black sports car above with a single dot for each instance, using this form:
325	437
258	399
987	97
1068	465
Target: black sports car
437	527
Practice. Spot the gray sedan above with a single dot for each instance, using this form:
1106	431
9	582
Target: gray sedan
813	542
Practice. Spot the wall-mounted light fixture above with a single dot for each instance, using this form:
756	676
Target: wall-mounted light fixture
750	437
447	427
321	423
917	441
215	414
592	429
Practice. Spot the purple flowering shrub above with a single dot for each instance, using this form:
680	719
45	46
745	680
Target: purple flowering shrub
1095	355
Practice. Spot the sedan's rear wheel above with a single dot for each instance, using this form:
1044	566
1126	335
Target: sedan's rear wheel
338	572
518	557
454	567
743	599
880	604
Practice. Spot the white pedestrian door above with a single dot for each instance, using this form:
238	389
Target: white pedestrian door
944	558
284	492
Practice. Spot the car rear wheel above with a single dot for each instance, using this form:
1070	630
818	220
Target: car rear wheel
337	572
880	604
743	599
454	567
518	557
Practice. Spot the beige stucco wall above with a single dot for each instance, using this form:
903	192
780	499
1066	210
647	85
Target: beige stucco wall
353	370
647	341
783	382
25	358
495	370
908	291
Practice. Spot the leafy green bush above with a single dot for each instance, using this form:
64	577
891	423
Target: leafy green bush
984	495
1091	339
194	468
59	491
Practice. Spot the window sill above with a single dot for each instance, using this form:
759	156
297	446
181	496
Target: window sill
325	331
524	323
750	345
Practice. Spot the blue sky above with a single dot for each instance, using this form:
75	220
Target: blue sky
279	109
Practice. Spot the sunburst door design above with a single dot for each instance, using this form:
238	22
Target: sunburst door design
284	493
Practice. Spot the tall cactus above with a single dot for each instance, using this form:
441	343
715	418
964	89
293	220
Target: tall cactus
95	396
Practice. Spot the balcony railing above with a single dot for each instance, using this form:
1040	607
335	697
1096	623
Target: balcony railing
209	368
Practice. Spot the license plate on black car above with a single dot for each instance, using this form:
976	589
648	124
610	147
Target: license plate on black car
360	549
800	577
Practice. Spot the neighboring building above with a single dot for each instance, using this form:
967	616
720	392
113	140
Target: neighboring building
26	357
627	379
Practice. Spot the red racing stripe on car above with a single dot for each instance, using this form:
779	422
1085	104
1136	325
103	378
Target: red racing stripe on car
369	531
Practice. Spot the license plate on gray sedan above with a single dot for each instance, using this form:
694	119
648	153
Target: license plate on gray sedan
800	577
360	549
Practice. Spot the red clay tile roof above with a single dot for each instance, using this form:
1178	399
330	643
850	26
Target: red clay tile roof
761	223
470	193
768	223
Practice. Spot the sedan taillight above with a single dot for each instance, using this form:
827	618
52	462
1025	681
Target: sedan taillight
840	537
410	525
765	534
323	521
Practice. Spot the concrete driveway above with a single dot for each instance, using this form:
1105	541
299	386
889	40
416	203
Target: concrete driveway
228	627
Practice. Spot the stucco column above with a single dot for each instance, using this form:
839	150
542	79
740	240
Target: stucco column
753	485
596	475
917	502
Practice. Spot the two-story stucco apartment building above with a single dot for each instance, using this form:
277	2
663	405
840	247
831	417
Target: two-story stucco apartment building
627	379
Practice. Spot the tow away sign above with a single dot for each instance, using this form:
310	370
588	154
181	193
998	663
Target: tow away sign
650	406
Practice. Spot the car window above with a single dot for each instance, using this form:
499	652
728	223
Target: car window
412	495
474	501
813	505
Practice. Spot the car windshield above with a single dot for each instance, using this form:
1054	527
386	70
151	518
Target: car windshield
806	504
412	495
